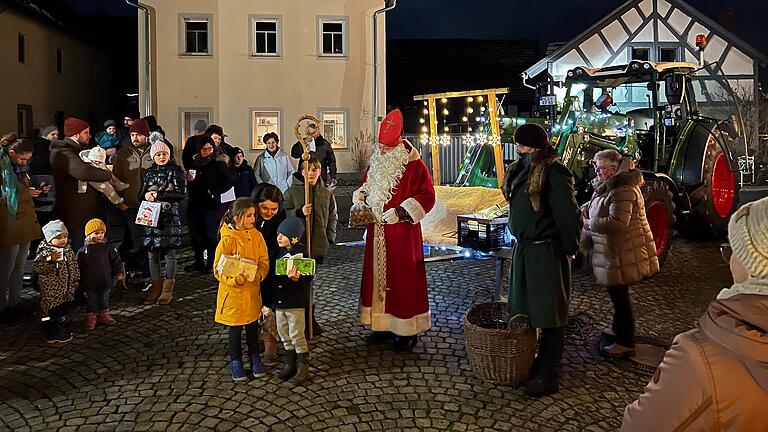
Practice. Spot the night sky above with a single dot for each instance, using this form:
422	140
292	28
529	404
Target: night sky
543	20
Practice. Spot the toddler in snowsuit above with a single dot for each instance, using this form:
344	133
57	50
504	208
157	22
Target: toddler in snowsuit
99	264
291	299
58	277
97	157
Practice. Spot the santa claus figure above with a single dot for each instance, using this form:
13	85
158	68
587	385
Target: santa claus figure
398	188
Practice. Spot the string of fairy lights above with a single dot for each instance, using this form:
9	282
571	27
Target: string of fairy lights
474	121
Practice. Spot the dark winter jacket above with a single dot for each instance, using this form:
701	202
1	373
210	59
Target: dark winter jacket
246	180
190	150
75	209
289	294
170	183
99	263
130	164
57	279
545	220
323	153
324	216
40	164
214	176
268	230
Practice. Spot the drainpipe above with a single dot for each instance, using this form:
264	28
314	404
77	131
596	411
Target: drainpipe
147	65
388	6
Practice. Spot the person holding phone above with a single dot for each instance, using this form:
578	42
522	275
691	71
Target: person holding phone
18	220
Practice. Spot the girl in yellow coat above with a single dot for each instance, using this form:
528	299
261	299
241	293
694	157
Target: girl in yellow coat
238	303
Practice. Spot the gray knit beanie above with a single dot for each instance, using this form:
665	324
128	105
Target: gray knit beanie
53	229
45	130
200	125
748	234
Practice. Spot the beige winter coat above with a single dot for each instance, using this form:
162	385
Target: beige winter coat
621	242
715	377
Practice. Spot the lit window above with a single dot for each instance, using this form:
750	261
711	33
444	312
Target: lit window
335	128
263	122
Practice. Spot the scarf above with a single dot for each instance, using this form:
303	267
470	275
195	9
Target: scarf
750	286
9	189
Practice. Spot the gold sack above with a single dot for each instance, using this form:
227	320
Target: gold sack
361	214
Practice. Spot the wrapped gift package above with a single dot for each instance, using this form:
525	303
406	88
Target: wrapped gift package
235	265
305	266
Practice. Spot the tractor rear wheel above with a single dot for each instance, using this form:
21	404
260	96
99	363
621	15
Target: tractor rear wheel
660	212
716	199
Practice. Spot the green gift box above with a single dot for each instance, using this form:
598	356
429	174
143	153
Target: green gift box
305	266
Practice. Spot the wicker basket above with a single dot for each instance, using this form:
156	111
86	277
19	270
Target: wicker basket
500	348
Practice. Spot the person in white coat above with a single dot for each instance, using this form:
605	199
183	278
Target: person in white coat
273	165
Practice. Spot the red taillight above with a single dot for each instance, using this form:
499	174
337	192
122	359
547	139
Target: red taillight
701	41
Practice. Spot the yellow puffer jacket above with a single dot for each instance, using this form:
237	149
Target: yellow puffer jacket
240	303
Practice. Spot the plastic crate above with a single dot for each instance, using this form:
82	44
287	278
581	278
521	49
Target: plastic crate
483	234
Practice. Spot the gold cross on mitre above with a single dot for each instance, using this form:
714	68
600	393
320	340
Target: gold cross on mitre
388	123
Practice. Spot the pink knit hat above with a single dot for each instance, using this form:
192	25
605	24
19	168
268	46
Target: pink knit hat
157	147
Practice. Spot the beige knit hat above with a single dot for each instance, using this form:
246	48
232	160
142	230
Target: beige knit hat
748	234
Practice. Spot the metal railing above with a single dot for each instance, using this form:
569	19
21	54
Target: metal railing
452	155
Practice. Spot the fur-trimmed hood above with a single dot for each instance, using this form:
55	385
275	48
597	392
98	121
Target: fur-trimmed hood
534	169
627	175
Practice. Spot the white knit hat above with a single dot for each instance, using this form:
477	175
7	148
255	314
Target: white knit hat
748	234
96	154
53	229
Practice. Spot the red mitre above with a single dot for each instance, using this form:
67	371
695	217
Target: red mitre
391	128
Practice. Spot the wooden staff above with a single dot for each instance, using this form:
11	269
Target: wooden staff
305	158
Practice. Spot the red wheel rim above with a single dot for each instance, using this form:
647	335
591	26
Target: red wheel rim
658	219
723	186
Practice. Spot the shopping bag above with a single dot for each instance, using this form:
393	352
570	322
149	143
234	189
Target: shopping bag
149	214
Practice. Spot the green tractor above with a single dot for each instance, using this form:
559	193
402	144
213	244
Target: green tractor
678	121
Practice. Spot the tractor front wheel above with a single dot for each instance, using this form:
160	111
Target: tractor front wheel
660	212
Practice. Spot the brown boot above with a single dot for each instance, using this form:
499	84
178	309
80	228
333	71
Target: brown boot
270	348
167	294
154	292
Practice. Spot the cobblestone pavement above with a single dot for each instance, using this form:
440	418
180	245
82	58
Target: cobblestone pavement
165	367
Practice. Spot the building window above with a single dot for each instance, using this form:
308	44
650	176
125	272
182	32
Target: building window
263	122
642	54
266	31
24	118
334	127
196	35
189	116
669	54
333	36
59	60
22	48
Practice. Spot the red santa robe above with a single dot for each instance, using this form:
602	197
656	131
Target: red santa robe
394	287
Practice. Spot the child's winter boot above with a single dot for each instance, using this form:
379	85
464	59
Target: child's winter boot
90	321
57	332
105	318
238	371
256	368
302	369
289	369
154	292
167	295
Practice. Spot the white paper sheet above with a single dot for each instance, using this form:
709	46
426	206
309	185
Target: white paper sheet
228	196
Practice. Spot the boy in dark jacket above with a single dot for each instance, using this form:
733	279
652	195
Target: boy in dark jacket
291	299
99	263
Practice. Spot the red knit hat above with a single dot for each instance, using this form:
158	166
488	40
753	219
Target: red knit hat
140	126
73	126
391	128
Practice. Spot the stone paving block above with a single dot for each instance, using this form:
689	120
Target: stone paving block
166	367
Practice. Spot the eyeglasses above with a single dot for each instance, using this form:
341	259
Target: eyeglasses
726	252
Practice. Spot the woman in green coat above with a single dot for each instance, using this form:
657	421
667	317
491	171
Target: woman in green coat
545	221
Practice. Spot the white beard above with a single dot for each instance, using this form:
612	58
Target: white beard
384	175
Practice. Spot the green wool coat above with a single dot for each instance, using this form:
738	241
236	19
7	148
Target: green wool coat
540	284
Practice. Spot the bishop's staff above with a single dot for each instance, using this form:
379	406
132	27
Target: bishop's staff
305	163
